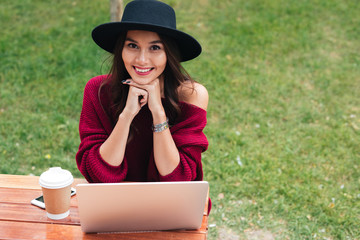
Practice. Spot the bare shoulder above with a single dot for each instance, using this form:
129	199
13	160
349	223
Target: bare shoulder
194	93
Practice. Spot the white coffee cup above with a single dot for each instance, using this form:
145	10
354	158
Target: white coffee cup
56	186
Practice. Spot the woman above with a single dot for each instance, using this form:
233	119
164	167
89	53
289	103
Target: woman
143	121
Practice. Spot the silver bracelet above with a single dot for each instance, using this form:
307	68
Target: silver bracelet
161	126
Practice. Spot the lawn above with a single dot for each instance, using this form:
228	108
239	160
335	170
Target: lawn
283	119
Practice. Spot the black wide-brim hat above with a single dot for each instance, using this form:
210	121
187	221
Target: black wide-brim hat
148	15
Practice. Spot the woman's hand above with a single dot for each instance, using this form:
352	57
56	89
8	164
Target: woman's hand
151	94
137	98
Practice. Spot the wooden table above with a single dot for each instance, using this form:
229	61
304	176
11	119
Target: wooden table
21	220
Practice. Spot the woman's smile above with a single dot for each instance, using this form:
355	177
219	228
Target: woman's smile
143	71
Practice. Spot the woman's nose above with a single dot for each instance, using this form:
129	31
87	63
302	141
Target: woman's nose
142	57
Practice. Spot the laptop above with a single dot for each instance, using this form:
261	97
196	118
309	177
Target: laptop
141	206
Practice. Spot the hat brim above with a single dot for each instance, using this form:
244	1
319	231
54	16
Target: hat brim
106	36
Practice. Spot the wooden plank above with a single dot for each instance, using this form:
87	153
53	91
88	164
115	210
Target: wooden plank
26	230
19	181
27	182
29	213
24	196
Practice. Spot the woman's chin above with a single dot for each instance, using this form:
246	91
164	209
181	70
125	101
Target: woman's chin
142	81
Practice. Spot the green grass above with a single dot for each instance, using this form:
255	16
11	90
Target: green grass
284	113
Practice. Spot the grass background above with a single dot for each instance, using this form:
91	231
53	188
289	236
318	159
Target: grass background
284	113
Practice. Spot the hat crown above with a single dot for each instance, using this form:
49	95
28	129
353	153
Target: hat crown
149	12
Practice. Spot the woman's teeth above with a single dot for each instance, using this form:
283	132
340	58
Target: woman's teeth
143	70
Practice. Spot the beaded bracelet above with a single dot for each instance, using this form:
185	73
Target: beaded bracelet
160	127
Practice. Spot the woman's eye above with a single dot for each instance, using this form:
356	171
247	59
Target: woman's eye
155	47
132	45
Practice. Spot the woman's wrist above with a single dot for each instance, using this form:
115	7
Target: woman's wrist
159	117
126	117
161	126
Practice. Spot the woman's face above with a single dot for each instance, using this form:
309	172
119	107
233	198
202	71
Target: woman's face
144	56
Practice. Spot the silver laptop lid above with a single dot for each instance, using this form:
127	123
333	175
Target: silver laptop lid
141	206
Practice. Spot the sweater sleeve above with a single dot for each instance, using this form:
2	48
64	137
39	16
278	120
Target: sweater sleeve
191	142
94	128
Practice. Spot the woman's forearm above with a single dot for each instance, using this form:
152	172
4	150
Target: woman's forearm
113	149
166	154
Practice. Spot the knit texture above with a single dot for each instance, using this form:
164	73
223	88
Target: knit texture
97	121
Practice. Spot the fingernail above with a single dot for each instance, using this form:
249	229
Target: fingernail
128	81
123	80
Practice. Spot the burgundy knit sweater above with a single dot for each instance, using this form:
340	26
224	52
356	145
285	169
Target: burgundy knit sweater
97	121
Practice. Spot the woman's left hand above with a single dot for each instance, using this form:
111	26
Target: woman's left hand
154	94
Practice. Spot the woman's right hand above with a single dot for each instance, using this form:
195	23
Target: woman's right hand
136	99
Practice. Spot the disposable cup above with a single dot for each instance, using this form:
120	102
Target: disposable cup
56	187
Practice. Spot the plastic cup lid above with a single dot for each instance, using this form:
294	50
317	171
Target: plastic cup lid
56	177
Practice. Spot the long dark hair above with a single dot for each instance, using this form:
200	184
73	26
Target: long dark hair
174	75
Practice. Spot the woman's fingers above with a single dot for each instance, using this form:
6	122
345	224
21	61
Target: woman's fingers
153	93
143	99
148	87
140	95
130	82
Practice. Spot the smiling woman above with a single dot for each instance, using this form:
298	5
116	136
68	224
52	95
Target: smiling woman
144	121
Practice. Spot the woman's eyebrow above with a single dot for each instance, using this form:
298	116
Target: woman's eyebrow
156	41
131	40
152	42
